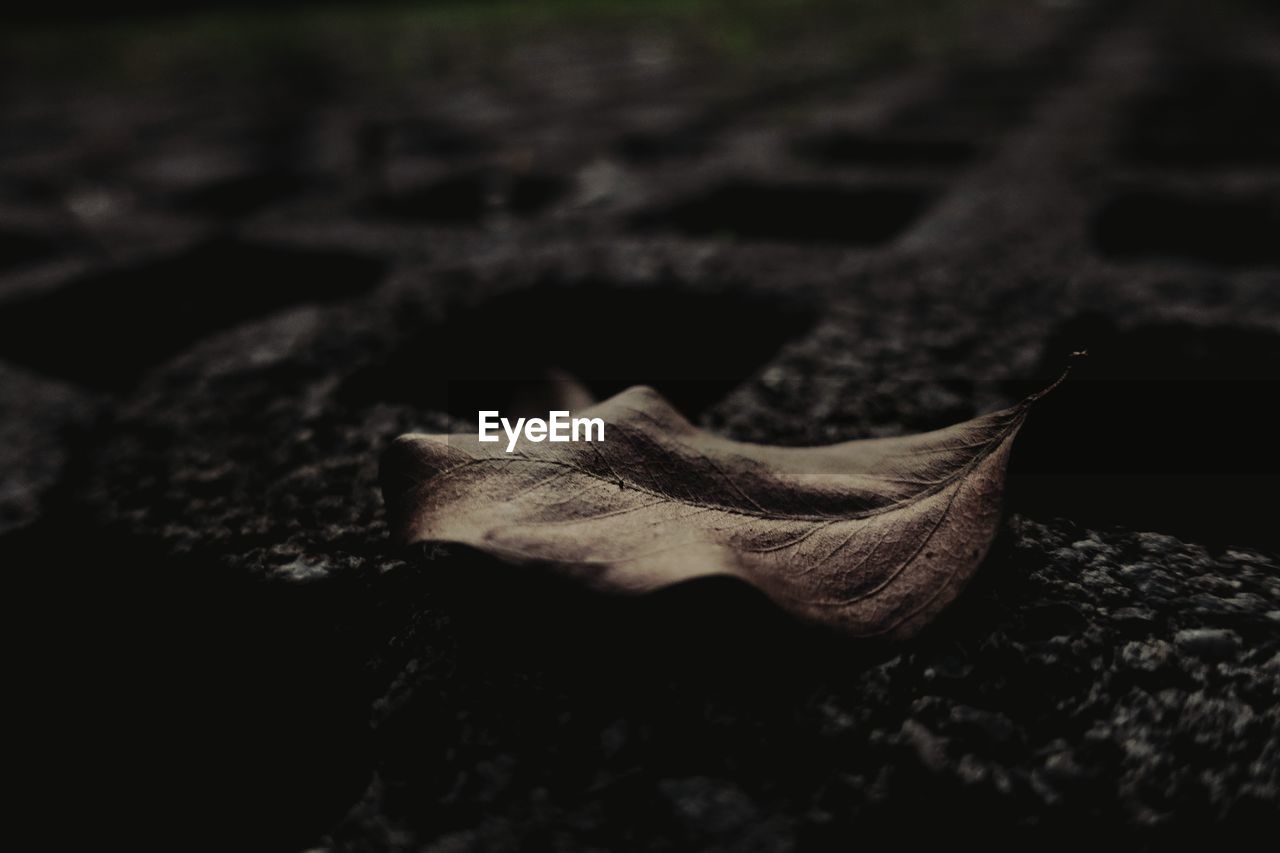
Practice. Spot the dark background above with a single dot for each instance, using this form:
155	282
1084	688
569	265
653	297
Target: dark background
243	246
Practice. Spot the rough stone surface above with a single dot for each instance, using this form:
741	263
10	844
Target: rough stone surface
219	649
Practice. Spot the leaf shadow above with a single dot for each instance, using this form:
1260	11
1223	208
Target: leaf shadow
718	632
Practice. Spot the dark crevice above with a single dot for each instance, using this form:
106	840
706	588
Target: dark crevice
528	195
18	249
459	199
1168	428
467	198
608	337
105	330
645	148
241	195
853	149
380	141
795	213
1206	115
1237	230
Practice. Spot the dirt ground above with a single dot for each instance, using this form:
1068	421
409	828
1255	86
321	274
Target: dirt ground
239	256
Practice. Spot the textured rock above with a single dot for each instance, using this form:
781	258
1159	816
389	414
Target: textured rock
213	627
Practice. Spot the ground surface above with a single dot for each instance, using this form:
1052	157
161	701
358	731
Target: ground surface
222	294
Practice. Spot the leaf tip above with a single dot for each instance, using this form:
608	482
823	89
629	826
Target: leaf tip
1062	377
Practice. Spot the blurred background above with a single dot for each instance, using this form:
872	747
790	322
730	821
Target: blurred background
245	245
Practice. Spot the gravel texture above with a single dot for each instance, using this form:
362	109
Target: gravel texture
218	648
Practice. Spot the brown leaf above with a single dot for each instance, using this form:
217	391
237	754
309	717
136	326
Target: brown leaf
872	537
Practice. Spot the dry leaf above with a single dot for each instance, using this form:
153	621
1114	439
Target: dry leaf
871	537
